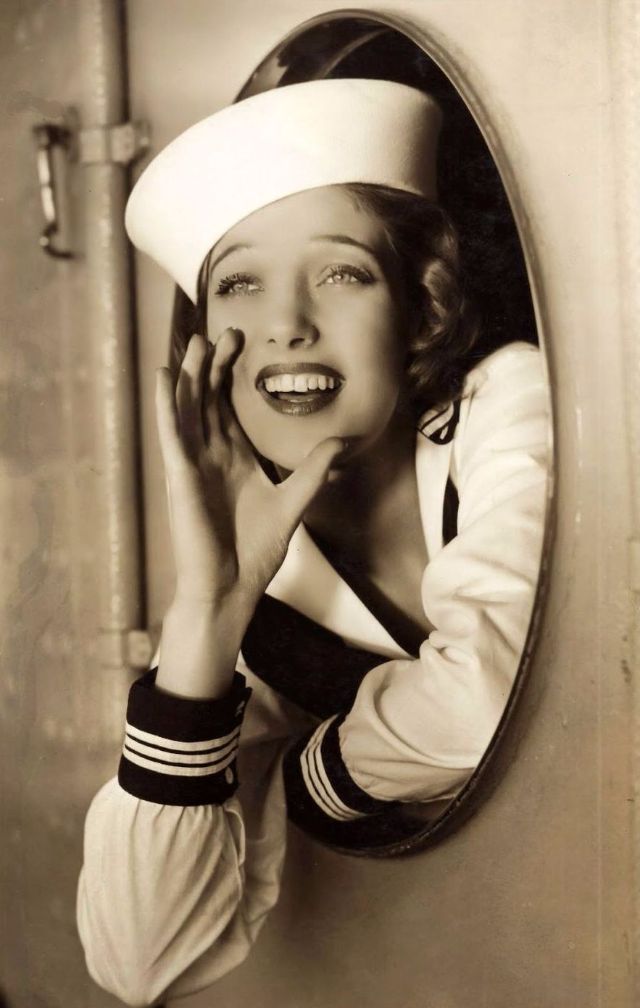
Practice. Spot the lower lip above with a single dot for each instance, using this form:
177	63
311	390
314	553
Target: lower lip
303	404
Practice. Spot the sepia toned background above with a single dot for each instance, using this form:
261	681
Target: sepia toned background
533	902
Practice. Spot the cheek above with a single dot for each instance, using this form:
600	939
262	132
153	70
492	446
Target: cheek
221	316
224	314
382	351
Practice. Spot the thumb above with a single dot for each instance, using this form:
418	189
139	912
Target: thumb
299	489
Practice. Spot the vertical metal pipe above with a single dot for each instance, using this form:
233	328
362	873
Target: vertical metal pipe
110	327
624	26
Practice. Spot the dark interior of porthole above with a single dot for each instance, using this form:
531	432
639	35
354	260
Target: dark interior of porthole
471	189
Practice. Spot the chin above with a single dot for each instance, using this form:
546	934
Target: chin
287	457
287	442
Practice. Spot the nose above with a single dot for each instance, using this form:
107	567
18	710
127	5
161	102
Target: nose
288	319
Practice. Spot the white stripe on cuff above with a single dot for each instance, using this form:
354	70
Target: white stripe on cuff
318	783
166	756
187	747
177	771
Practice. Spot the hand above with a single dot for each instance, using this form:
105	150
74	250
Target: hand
230	526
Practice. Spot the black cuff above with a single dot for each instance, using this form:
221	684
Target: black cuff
319	786
178	751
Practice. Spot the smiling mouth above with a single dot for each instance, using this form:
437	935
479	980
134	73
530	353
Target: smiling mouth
299	389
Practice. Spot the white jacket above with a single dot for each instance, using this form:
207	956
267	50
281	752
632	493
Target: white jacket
179	874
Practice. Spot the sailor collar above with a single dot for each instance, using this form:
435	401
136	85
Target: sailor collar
308	583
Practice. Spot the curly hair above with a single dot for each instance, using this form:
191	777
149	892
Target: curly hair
425	242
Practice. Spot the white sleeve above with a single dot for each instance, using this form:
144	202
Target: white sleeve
172	895
418	728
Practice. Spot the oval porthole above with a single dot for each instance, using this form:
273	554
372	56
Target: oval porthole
476	188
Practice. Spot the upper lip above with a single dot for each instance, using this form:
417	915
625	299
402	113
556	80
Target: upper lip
297	367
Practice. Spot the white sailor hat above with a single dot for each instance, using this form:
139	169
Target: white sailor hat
272	145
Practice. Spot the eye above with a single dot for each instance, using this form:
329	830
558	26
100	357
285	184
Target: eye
237	283
342	275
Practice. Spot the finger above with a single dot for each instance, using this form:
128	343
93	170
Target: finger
226	440
167	420
225	352
219	416
189	394
230	425
299	489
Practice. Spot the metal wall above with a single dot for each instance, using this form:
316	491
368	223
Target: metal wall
532	903
60	708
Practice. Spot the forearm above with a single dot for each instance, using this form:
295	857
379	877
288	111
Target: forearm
164	906
199	648
142	918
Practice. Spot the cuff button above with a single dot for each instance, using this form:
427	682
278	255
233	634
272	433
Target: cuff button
228	775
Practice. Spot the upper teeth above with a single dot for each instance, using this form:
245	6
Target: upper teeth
300	383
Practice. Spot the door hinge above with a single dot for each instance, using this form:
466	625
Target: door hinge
119	144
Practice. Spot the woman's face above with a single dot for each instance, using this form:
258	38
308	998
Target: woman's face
315	289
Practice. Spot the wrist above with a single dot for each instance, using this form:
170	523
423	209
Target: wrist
229	609
178	751
199	648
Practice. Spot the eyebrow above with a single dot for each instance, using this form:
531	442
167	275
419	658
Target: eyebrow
227	252
338	239
341	239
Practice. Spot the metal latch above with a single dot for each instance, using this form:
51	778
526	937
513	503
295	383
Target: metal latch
61	142
48	137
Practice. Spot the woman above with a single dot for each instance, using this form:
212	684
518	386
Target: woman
356	517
